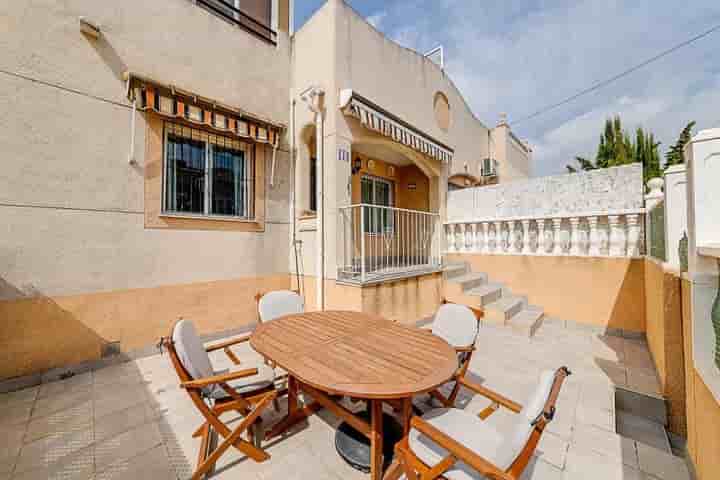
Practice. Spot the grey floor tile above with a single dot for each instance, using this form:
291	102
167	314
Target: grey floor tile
642	430
594	439
126	445
63	386
10	442
20	396
47	451
78	417
121	421
150	465
76	466
62	401
17	413
540	470
594	466
664	466
114	398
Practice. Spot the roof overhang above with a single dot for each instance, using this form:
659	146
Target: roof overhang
378	119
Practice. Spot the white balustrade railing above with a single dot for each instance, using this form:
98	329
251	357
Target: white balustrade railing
379	242
609	234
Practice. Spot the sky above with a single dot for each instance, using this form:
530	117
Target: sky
518	56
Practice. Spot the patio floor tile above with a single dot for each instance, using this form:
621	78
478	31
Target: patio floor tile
62	401
662	465
77	417
20	396
47	451
150	465
594	439
75	466
594	466
126	445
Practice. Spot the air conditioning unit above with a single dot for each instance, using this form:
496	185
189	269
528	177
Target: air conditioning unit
488	167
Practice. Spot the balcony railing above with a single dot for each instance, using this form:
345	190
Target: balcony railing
380	243
228	10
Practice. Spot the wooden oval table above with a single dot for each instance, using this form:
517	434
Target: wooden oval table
358	355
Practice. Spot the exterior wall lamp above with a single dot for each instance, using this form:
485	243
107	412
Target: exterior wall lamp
356	166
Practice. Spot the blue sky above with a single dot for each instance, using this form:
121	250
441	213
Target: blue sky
519	56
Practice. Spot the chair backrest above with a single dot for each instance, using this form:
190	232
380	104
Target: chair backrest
276	304
541	400
190	350
456	324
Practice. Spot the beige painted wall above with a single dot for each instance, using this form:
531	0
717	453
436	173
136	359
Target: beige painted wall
664	333
703	411
136	318
514	160
76	255
72	205
406	301
612	289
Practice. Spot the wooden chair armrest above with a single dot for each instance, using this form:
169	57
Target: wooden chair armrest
217	379
465	349
228	343
462	453
489	394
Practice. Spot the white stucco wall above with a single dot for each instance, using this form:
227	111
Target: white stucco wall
612	189
71	207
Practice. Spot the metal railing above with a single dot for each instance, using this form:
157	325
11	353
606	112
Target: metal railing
379	243
228	10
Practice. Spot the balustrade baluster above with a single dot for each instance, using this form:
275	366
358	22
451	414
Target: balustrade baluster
617	237
593	237
575	243
526	247
633	242
557	240
541	237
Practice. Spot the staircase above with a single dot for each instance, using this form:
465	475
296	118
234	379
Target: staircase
501	306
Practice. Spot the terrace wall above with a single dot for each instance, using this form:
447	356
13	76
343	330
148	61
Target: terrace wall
703	411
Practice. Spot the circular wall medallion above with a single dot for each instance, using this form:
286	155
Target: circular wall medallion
442	111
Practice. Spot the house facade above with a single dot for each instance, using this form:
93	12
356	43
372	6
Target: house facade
150	173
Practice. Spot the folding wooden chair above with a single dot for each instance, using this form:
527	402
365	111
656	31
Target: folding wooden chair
248	392
456	445
458	325
272	305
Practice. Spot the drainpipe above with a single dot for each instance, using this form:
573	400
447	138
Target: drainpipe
314	96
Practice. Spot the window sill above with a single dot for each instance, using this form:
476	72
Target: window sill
209	218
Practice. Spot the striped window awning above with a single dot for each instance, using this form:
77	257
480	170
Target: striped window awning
379	120
175	103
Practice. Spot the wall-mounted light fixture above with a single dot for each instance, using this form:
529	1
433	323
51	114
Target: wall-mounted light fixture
357	165
90	29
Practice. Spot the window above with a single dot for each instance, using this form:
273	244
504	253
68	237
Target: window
255	16
207	174
313	184
377	191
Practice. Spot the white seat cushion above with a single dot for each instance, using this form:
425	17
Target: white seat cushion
463	427
264	378
276	304
499	448
191	351
456	324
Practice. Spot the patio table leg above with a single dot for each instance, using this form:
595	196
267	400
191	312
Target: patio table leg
376	439
295	414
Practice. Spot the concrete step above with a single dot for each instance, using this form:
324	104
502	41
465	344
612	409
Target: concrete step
470	280
453	270
487	293
501	310
527	320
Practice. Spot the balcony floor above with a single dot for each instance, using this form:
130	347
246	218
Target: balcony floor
131	421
